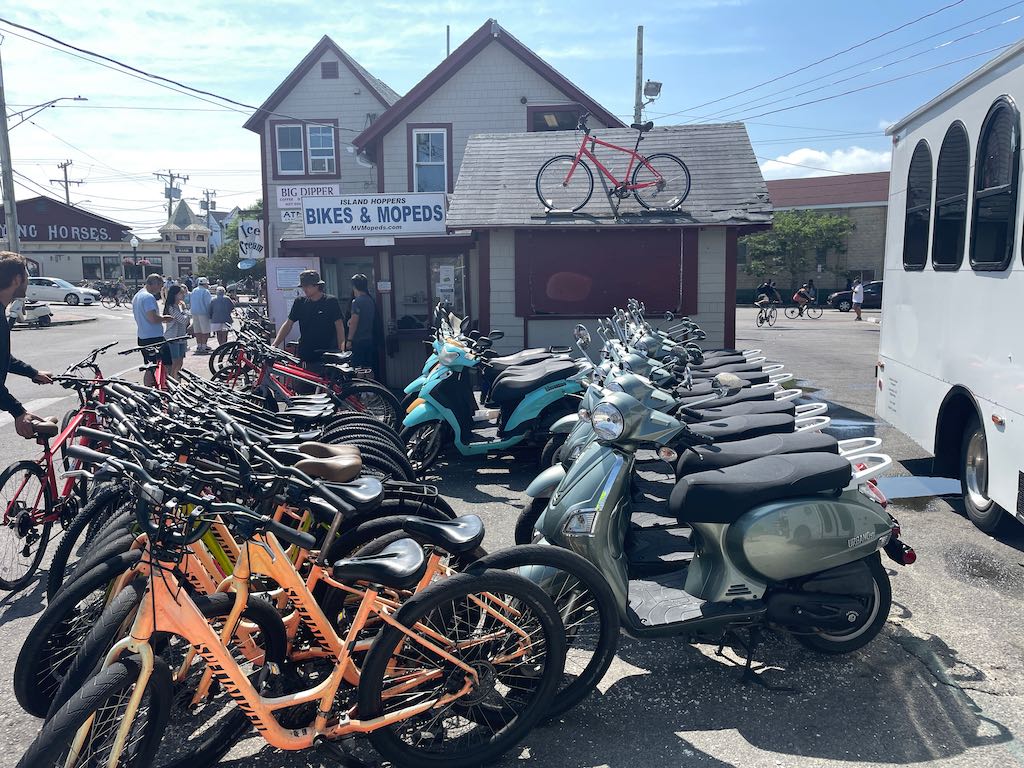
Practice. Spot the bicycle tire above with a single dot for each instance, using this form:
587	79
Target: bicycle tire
435	509
108	302
773	315
815	312
378	446
760	319
677	184
536	609
557	178
378	432
792	312
65	622
525	524
42	534
50	746
537	561
368	539
217	358
104	550
388	402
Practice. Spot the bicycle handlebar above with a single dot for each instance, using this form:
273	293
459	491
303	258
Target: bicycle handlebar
154	346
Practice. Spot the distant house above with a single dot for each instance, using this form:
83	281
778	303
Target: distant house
861	197
187	238
218	222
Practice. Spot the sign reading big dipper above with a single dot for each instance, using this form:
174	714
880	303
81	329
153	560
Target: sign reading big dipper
419	213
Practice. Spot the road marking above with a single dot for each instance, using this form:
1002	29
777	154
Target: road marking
34	405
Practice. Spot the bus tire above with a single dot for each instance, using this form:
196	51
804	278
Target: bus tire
986	515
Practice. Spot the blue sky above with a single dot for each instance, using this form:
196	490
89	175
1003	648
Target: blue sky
715	58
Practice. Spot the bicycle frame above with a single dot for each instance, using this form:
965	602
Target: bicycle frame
634	158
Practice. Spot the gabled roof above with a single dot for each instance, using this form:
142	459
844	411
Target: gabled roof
184	218
496	184
380	90
490	31
831	191
42	205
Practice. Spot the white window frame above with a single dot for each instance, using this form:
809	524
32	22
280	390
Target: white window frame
416	164
301	150
328	171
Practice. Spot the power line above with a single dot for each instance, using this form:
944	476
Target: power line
809	167
819	61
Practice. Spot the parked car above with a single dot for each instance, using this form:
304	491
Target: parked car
55	289
843	300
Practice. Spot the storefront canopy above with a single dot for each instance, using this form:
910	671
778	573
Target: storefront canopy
496	184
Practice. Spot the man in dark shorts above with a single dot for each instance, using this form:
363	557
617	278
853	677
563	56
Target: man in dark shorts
319	317
360	324
150	322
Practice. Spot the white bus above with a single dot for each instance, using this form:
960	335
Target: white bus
951	355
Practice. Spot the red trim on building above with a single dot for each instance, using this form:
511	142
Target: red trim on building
731	248
461	56
402	244
410	149
305	175
484	278
690	263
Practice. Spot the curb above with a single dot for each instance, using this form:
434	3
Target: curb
53	324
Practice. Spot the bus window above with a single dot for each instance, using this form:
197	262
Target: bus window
951	177
919	211
995	187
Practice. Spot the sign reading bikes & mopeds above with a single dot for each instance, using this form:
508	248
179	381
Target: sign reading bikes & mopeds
361	215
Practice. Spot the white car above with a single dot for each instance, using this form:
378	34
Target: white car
55	289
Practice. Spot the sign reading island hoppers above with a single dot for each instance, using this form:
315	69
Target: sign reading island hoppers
421	213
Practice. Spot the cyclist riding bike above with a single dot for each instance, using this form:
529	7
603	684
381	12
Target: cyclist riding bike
766	294
802	298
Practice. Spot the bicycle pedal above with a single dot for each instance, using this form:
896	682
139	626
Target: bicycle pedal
342	751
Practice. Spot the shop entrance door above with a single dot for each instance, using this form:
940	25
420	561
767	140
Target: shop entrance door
337	273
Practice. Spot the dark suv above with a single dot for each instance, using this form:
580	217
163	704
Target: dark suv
843	300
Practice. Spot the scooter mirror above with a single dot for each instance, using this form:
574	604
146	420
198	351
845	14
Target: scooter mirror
484	342
497	335
474	335
669	316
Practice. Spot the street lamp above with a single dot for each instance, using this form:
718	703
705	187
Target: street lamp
39	108
134	243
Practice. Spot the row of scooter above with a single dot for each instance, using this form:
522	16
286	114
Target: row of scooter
698	484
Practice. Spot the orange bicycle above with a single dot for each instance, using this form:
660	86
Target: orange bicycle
658	182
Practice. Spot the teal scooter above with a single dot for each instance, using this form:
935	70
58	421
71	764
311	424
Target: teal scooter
527	400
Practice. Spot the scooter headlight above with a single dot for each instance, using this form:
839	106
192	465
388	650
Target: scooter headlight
613	386
641	347
607	421
448	356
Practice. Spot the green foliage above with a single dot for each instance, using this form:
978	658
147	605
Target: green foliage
223	264
789	247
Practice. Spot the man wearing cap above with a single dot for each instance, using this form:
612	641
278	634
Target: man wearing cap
220	315
200	308
318	314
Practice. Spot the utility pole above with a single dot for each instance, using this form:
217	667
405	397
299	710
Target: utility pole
638	104
10	206
171	177
209	206
66	183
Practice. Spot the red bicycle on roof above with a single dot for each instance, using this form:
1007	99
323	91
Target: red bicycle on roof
658	182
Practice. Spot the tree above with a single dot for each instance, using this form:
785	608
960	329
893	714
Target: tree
791	245
223	264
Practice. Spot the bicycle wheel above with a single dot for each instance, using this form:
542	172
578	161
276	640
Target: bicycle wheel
792	312
661	182
814	312
109	302
424	442
557	190
222	356
372	399
516	673
102	706
773	315
760	318
27	503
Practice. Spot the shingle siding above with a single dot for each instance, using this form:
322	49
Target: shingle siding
503	310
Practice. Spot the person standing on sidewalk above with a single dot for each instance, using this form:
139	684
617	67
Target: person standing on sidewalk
318	314
858	297
150	322
174	307
220	315
200	307
14	285
360	325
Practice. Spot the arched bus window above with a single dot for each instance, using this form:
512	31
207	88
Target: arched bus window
951	176
919	208
995	187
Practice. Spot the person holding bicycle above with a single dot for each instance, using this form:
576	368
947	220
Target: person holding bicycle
321	323
14	285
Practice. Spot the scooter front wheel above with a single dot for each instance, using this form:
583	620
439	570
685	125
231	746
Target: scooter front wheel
423	443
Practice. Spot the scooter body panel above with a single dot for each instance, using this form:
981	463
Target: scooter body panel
544	484
565	425
531	406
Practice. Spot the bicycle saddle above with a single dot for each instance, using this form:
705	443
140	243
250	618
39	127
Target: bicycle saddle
328	450
46	428
463	534
643	127
335	357
336	469
399	566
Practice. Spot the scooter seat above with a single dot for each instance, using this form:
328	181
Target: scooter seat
725	495
701	389
738	368
463	534
399	566
525	357
720	455
716	362
749	408
509	388
743	396
745	427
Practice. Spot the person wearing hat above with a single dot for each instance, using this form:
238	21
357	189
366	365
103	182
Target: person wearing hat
220	315
360	325
200	307
319	316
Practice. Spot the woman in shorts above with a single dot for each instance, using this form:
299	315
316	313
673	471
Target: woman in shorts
174	307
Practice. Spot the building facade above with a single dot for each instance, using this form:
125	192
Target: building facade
860	197
187	238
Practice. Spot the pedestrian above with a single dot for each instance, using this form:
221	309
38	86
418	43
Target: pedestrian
360	325
318	314
174	307
812	292
149	323
220	315
858	298
14	285
190	282
200	307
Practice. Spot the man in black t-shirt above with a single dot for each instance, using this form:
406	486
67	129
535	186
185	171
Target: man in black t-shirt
319	317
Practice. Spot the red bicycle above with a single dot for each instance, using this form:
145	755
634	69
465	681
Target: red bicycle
658	182
29	494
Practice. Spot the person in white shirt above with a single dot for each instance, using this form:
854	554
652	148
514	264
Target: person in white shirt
858	297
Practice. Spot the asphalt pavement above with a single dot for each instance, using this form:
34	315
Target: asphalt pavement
941	685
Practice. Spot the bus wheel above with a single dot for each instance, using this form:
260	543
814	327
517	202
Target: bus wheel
982	511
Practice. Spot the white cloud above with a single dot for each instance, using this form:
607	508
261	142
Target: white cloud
884	124
816	162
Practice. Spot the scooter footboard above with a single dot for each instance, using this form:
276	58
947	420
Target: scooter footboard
814	423
789	394
770	386
778	378
868	466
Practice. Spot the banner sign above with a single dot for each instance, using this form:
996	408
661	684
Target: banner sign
360	215
290	195
250	239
